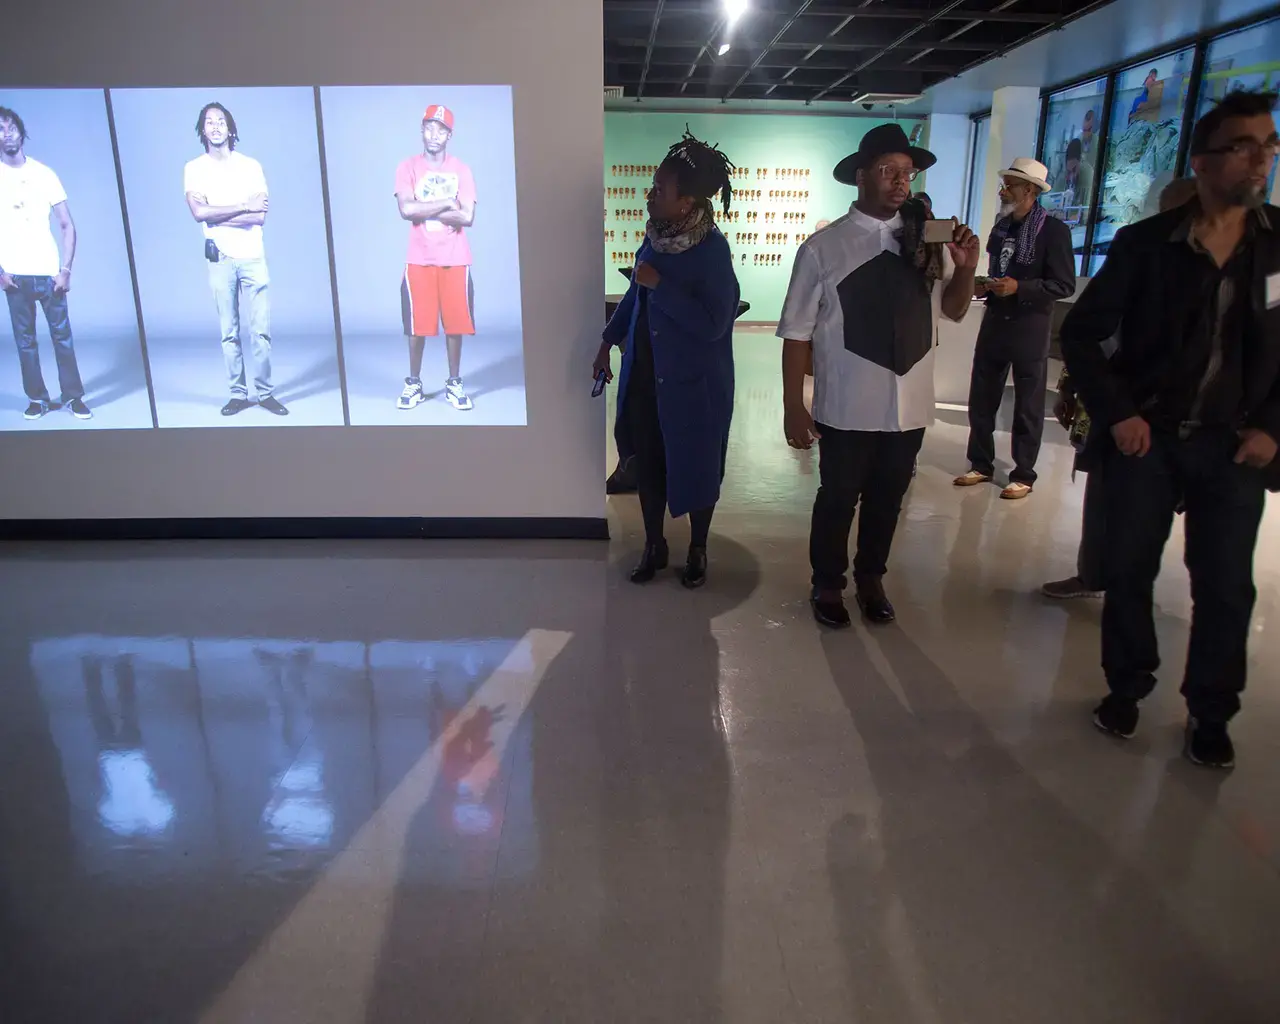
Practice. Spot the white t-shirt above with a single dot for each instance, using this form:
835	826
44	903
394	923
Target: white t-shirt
861	381
28	195
228	182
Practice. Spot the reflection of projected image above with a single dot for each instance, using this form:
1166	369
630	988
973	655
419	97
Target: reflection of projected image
227	194
436	194
35	268
132	803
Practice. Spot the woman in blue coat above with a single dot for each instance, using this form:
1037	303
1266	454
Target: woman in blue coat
675	392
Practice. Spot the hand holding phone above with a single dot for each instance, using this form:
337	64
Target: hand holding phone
598	389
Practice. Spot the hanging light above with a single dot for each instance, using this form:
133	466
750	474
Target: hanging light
734	9
724	48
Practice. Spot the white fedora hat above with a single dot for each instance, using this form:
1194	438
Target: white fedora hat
1029	170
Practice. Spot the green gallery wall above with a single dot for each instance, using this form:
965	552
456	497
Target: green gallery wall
756	142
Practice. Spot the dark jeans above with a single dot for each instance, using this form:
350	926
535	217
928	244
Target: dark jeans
22	314
1224	505
641	410
869	472
1093	535
1024	346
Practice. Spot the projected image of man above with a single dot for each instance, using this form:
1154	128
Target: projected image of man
35	267
436	194
227	195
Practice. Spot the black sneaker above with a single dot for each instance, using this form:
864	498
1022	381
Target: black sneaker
829	610
79	410
236	405
273	406
1117	716
35	410
1208	745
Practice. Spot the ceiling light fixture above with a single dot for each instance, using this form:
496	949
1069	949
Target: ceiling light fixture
724	48
734	9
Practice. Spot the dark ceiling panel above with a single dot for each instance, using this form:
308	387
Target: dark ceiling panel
814	49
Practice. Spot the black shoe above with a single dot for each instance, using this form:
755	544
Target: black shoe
875	607
1117	716
236	405
35	410
1208	745
273	406
694	574
656	557
829	610
79	410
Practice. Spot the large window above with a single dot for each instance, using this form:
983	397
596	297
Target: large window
1146	113
1070	152
1249	59
977	167
1142	143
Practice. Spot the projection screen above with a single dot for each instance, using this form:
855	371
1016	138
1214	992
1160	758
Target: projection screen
367	233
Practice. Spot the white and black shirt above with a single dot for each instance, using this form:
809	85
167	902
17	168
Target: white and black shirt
872	323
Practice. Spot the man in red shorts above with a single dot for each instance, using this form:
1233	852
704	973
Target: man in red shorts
436	194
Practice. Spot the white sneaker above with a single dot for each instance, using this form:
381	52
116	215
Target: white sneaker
411	395
457	395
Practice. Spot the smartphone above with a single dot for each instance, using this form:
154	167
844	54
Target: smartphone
598	389
939	231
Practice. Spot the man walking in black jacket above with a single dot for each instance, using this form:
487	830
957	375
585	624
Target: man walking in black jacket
1187	409
1031	267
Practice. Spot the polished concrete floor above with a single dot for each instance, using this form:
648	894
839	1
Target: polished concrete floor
494	782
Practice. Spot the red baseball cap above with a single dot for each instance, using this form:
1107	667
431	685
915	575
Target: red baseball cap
435	112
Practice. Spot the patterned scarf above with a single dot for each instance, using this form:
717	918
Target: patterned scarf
673	236
926	258
1028	232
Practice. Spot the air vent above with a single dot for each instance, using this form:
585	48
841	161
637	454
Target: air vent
888	99
614	92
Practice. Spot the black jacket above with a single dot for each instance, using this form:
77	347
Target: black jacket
1050	276
1145	293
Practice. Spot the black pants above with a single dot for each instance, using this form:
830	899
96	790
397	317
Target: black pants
1024	346
1091	559
1224	505
869	472
641	410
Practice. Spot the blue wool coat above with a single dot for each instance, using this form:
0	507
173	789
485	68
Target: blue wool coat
691	315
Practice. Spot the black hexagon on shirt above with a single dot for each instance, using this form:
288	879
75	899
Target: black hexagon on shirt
887	312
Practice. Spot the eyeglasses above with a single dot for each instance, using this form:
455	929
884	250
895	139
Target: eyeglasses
1250	149
890	173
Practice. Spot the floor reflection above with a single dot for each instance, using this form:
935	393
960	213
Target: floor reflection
264	754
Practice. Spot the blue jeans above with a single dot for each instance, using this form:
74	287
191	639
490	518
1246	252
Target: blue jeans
229	279
22	313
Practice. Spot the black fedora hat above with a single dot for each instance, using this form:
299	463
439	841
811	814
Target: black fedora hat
882	139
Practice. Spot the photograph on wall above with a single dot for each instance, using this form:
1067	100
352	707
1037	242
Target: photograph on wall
74	361
227	215
423	208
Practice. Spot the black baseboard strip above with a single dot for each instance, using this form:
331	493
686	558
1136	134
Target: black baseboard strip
313	528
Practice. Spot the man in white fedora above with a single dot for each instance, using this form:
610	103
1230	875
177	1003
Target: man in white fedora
1030	268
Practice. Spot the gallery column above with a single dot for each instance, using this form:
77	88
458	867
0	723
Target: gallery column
1015	114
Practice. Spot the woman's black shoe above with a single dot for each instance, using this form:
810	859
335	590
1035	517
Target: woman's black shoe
695	569
655	558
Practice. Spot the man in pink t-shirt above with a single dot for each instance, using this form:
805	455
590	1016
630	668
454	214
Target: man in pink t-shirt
436	194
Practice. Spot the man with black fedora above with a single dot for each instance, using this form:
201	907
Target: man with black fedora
865	297
1031	267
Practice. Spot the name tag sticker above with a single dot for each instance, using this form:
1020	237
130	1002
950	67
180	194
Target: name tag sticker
1273	291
